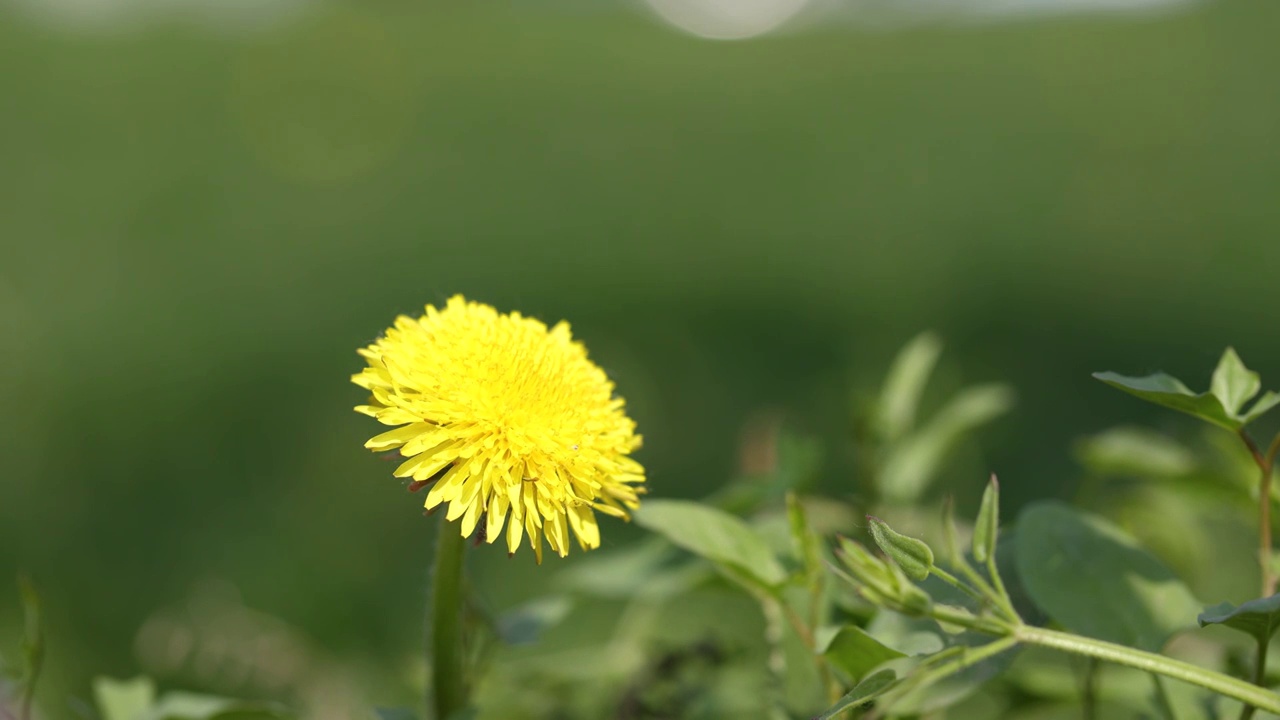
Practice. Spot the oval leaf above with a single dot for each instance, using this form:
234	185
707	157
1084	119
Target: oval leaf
1169	391
1258	618
1088	575
863	693
855	653
713	534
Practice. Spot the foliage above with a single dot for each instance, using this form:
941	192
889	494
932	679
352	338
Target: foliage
768	600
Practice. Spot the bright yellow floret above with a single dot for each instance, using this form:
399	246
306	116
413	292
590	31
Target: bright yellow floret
506	418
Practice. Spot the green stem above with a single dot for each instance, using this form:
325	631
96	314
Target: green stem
1163	703
1259	677
954	582
1002	595
966	659
1264	463
1089	689
1152	663
447	693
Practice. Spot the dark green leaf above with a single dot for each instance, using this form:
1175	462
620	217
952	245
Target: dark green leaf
1258	618
1088	575
912	555
863	693
398	713
1233	384
715	535
855	653
905	384
124	699
524	624
987	526
913	462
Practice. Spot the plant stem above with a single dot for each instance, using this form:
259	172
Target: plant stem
1002	594
1259	676
1089	689
954	582
1150	662
966	659
446	692
1163	703
1264	463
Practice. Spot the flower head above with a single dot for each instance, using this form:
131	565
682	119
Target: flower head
506	418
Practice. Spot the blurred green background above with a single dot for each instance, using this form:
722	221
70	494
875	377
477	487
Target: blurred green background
200	222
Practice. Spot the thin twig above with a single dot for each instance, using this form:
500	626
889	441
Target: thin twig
1259	677
1264	464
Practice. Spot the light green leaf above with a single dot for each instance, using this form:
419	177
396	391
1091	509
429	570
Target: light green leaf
855	653
912	555
124	699
715	535
905	383
1259	618
1135	452
987	527
1268	400
1233	383
193	706
913	462
1169	392
863	693
1095	580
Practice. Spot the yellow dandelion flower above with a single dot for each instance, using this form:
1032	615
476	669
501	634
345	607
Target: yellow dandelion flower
507	418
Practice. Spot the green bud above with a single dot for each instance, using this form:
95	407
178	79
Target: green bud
988	525
912	555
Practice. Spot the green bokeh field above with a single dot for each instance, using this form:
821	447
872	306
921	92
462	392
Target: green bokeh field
198	228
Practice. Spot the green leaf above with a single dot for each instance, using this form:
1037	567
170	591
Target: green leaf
124	699
1259	618
1268	400
905	383
1088	575
1233	383
912	555
193	706
715	535
1169	392
397	713
913	462
987	527
855	653
1135	452
863	693
524	624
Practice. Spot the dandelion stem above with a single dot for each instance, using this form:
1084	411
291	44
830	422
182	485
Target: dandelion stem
446	691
